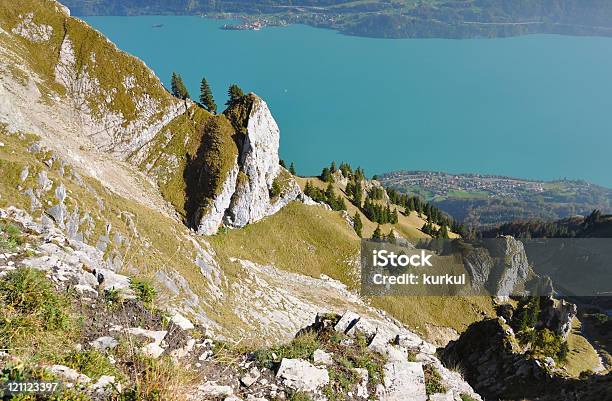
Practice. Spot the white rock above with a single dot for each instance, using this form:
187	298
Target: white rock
250	378
362	387
68	374
182	322
211	389
104	343
104	382
152	350
403	381
156	336
448	396
321	357
180	353
301	375
347	320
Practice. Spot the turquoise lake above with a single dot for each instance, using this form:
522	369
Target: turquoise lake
535	106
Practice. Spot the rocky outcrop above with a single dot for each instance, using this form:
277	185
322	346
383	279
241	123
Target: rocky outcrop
557	315
248	194
498	266
494	364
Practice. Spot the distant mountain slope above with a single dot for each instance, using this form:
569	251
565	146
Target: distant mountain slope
490	200
396	19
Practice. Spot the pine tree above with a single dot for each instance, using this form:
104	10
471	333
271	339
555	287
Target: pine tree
329	192
206	97
292	169
443	232
235	93
282	163
357	224
174	85
391	237
376	235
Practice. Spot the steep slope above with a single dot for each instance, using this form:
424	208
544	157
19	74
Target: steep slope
85	196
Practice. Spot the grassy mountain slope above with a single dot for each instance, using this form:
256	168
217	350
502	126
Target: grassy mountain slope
112	205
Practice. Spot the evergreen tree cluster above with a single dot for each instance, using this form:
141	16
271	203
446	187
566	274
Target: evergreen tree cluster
291	166
381	214
178	87
346	170
376	193
234	94
434	214
594	224
377	235
336	202
207	101
442	232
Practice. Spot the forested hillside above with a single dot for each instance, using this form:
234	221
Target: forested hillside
390	19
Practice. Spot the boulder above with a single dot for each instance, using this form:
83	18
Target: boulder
251	377
104	343
182	322
347	321
403	380
301	375
212	389
152	350
321	357
69	374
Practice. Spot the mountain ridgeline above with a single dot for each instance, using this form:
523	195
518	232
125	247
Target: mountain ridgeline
385	19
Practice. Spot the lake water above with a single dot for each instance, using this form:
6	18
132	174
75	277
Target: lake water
535	106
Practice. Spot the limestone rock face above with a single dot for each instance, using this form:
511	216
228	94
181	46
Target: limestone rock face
247	192
259	164
500	267
212	219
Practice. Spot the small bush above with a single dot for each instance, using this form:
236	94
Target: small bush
92	363
155	380
467	397
302	347
112	296
276	189
433	380
144	290
299	396
32	313
10	237
548	344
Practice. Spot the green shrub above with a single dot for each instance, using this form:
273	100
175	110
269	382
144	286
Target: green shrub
32	313
548	344
92	363
467	397
433	380
302	347
527	314
144	290
112	296
10	237
299	396
276	189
